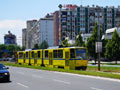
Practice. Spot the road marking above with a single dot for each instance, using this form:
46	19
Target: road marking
37	76
61	81
95	88
87	76
21	73
23	85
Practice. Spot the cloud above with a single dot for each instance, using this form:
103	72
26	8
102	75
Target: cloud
15	26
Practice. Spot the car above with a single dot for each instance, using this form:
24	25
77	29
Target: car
4	73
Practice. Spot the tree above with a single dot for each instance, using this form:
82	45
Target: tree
91	42
8	50
65	43
108	52
18	48
44	45
104	42
79	41
11	49
36	46
23	48
2	48
115	46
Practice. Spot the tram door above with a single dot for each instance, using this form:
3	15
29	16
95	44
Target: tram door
23	58
35	58
67	58
50	58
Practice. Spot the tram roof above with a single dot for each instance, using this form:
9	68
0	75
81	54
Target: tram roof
57	47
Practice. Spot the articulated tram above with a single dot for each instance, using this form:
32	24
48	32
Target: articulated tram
67	58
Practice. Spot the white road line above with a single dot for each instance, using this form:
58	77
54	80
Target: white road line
87	76
21	73
23	85
93	88
61	81
37	76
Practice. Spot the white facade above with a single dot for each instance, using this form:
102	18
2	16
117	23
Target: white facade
109	32
85	37
47	31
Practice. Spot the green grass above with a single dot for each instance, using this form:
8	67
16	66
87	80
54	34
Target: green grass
104	69
111	64
91	70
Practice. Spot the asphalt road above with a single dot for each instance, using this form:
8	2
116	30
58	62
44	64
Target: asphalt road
31	79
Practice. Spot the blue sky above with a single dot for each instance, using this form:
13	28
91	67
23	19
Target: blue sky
14	13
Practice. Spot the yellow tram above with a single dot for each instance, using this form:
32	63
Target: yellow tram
68	58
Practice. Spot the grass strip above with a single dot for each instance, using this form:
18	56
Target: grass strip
104	69
90	71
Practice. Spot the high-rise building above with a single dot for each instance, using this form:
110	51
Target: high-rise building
56	28
35	34
9	39
47	30
74	19
40	30
30	25
24	37
117	17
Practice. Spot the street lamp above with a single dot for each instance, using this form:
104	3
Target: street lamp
98	43
60	27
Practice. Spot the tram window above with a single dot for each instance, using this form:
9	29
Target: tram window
66	55
72	53
60	53
26	54
32	54
20	55
46	54
55	53
38	54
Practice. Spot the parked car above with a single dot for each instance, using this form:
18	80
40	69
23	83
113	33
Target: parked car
5	59
4	73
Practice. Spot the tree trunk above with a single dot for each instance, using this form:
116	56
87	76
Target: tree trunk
95	60
115	61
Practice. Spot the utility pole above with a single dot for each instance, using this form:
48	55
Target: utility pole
60	28
99	44
99	51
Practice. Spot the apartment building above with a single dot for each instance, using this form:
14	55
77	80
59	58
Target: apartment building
47	30
30	25
56	28
74	19
35	34
24	32
37	31
10	39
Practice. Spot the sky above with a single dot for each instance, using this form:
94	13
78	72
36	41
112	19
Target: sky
15	13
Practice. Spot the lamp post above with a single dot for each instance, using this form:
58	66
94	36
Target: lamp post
99	43
60	28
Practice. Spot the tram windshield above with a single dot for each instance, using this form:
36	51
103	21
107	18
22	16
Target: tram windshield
81	54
